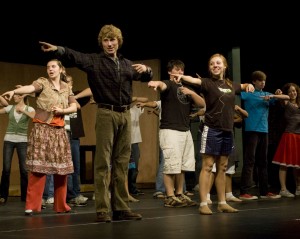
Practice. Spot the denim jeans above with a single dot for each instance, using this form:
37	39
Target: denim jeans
159	183
74	178
133	172
49	188
8	151
198	156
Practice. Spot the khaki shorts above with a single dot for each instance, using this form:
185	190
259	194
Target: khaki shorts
178	151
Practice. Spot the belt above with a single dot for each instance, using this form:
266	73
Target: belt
120	109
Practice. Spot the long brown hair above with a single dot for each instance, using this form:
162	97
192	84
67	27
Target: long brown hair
286	88
63	74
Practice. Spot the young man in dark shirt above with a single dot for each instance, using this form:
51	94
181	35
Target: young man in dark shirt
110	77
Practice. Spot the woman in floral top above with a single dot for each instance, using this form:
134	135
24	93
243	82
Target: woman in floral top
48	144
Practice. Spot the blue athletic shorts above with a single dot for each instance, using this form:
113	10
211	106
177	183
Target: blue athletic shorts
216	142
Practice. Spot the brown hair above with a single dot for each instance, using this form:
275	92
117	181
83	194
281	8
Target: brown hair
228	81
63	74
258	75
286	88
110	31
65	77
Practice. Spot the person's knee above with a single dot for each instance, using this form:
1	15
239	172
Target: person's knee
207	167
223	167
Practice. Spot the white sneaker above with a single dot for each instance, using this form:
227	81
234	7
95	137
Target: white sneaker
297	193
196	188
79	201
93	198
286	194
82	198
50	200
28	212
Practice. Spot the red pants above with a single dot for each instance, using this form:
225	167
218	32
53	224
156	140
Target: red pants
35	189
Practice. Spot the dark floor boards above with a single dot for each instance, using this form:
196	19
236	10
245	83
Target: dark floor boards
278	218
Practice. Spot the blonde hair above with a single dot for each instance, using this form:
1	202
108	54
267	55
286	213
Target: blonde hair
110	31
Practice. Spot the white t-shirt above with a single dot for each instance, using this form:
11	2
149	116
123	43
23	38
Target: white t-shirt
158	107
136	136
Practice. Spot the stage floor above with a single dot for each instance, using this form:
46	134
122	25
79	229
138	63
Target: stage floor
278	218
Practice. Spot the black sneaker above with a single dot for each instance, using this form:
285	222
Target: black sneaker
137	192
71	211
126	215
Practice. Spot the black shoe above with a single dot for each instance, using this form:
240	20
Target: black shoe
137	192
103	217
71	211
126	215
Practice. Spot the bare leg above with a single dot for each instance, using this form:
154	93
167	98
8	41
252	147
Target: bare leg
228	186
179	181
130	198
205	177
282	177
212	180
204	183
220	182
169	181
297	179
228	190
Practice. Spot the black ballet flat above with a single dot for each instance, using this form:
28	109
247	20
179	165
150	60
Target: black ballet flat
68	212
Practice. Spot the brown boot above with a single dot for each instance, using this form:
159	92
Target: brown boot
205	210
126	215
226	208
103	217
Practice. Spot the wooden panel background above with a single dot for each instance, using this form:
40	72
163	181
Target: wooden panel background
12	74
